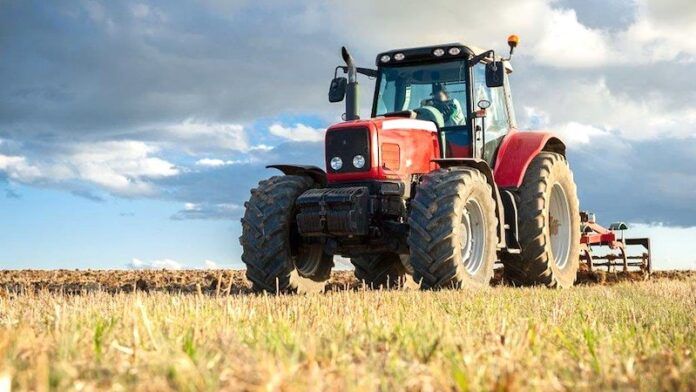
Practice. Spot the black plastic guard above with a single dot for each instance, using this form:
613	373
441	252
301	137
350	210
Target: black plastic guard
317	174
333	212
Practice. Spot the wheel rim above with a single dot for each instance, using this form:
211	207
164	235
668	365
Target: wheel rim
559	226
472	235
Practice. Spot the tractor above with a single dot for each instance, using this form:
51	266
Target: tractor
438	183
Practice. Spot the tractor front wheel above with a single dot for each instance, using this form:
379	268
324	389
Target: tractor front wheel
384	270
549	226
276	257
452	237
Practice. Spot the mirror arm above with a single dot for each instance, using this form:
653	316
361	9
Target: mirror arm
372	73
477	59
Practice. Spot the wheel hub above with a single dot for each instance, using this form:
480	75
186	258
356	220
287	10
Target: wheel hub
472	236
559	226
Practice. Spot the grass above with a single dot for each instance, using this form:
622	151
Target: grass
627	336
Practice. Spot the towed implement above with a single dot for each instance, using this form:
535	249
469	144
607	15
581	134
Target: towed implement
437	183
613	246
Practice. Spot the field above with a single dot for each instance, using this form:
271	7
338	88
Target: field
198	330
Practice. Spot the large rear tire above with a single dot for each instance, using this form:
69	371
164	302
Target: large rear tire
452	236
384	270
277	260
549	217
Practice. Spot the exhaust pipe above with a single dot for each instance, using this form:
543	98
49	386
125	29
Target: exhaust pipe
352	87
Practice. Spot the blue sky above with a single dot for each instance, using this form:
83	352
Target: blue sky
131	132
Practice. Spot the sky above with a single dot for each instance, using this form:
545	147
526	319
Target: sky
131	132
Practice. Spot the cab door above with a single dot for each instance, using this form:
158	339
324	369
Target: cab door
490	130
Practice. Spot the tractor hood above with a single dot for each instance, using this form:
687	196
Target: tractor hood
382	148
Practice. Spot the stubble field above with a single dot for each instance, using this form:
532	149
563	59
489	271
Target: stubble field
202	330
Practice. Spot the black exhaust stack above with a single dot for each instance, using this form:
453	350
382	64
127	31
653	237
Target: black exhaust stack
351	88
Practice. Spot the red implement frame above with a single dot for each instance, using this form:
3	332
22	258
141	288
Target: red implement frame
594	235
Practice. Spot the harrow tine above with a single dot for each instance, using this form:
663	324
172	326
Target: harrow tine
594	235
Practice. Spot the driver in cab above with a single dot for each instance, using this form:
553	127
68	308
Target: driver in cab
451	109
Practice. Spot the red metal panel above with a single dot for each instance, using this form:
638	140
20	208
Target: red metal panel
598	238
515	154
417	148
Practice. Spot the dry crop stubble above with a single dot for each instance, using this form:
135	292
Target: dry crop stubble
629	335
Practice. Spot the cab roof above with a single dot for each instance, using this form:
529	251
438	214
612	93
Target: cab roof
427	54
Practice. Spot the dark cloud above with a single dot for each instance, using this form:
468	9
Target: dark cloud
218	192
104	69
89	195
602	14
647	182
10	194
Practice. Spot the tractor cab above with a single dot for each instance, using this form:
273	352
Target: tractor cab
447	84
462	90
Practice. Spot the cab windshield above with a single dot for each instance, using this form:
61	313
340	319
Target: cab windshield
436	92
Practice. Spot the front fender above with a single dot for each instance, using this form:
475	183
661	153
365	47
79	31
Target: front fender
315	173
516	153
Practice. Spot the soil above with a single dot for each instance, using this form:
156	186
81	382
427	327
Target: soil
221	282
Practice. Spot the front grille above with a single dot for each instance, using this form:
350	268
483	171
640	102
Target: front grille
347	143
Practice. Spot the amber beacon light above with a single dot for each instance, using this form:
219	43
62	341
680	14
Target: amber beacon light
513	40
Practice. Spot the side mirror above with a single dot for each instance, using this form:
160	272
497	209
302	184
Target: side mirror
337	91
495	74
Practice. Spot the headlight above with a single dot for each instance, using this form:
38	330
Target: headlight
385	58
358	161
399	56
336	163
454	51
439	52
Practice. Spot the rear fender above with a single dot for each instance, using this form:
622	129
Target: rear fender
315	173
482	166
517	151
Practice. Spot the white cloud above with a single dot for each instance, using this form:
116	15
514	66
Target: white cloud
120	167
17	168
573	133
209	264
582	110
208	211
663	31
551	35
155	264
342	263
214	162
565	42
261	148
211	162
195	135
298	133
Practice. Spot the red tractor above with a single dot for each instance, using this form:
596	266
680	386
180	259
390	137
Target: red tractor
437	183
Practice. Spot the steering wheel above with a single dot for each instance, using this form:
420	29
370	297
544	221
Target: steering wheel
430	113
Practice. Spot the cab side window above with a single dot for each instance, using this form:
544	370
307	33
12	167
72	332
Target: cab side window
497	122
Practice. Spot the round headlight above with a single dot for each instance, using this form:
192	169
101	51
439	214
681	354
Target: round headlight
399	56
336	163
385	58
358	161
454	51
439	52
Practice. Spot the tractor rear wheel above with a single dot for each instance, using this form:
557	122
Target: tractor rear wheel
384	270
452	236
549	226
276	258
